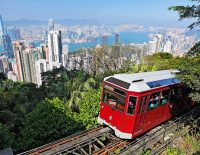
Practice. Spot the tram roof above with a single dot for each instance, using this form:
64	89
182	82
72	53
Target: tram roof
140	82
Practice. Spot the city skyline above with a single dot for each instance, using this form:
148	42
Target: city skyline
145	12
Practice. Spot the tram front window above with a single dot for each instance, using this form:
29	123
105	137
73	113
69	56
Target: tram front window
114	99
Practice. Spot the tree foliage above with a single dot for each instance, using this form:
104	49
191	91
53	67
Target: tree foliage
48	121
2	77
89	108
61	83
7	138
194	51
189	12
190	66
190	75
157	61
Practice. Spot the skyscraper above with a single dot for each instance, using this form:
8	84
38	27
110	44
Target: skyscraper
168	46
104	40
41	66
64	55
55	49
116	38
1	30
26	63
50	25
4	64
8	46
14	33
5	39
157	43
18	49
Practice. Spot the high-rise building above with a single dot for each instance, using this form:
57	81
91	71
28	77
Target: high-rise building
116	38
45	51
41	66
157	43
1	30
55	49
104	41
5	39
150	47
168	46
17	64
64	55
14	33
26	63
50	25
4	64
8	46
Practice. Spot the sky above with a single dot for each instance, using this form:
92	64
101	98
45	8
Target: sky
149	12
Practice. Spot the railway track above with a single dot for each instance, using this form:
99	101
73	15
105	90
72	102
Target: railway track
101	140
66	143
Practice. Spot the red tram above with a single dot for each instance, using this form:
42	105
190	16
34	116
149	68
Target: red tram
134	103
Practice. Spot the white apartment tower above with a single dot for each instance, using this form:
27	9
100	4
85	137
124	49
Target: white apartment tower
157	43
168	46
55	49
64	55
41	66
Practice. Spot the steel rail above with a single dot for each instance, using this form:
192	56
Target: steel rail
81	143
60	142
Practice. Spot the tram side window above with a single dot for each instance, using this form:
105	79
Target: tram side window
110	99
164	97
176	95
114	100
131	105
154	101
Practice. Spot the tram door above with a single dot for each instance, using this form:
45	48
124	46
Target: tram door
140	117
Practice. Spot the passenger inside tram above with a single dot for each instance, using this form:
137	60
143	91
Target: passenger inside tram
153	101
114	100
131	105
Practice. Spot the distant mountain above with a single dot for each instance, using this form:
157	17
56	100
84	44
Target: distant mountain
24	22
77	21
28	22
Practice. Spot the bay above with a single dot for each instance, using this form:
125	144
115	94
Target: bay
124	38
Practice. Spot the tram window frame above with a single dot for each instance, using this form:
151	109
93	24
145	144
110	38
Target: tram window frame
118	100
153	100
143	101
166	96
134	105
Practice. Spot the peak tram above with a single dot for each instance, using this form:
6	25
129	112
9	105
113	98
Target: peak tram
132	104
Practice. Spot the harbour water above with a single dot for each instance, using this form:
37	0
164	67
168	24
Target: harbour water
124	38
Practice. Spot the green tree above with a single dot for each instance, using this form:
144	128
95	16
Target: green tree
89	108
61	83
190	75
16	100
2	76
189	12
190	66
74	101
6	137
194	51
50	120
157	61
